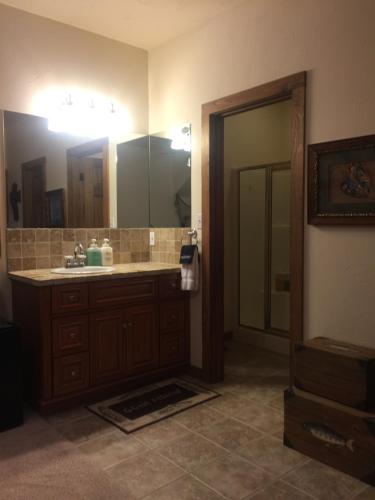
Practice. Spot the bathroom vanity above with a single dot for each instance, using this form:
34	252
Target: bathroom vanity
88	337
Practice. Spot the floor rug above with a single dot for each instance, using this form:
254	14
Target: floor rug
147	405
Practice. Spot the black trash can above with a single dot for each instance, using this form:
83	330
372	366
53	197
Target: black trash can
11	401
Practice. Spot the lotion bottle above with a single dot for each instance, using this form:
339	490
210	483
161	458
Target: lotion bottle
107	253
94	254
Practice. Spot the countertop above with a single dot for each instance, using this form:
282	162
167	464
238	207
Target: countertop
44	277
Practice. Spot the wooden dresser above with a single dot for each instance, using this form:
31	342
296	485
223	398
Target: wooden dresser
88	340
330	413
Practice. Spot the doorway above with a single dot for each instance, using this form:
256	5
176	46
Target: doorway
33	192
213	115
88	192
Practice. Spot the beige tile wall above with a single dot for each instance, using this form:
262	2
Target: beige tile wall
45	248
168	243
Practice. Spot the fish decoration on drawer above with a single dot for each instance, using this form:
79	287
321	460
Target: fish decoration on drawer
328	436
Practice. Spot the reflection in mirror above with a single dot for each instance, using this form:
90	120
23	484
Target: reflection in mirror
37	168
133	200
165	199
57	179
170	179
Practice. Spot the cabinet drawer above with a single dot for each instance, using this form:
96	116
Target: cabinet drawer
332	433
172	315
70	374
70	335
117	292
67	298
172	348
170	286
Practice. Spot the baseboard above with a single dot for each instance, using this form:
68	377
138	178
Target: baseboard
260	339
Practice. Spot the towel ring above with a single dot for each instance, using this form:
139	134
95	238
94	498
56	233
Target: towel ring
191	234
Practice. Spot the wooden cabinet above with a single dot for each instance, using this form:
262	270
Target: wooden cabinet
107	346
97	337
70	335
142	338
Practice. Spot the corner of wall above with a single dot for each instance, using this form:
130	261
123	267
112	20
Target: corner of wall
5	292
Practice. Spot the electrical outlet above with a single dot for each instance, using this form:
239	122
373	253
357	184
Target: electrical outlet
152	238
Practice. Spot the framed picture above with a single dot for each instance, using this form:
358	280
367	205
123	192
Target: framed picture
55	201
341	182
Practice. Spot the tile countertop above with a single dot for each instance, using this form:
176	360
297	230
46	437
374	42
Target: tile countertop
44	277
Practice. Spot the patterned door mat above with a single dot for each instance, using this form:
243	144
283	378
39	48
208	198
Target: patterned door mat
147	405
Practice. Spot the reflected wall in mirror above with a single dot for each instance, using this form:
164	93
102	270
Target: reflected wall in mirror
56	179
165	160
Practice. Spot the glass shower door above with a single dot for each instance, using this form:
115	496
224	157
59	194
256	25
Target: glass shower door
264	235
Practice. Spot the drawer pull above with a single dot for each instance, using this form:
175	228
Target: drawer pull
74	373
73	335
72	298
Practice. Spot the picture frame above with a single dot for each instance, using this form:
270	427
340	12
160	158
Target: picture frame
341	182
55	206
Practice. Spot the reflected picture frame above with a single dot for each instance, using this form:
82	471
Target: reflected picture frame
341	182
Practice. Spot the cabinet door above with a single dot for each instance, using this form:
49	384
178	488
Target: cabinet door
106	347
142	345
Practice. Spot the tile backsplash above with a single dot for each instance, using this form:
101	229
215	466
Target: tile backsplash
168	243
45	248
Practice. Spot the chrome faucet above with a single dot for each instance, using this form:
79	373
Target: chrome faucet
78	260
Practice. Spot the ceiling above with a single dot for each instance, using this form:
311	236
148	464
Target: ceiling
143	23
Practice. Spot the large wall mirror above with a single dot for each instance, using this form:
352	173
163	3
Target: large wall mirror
55	179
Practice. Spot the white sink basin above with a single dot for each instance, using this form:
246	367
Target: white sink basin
83	270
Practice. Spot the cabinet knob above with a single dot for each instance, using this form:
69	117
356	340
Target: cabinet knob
130	324
124	325
173	285
173	316
73	335
72	298
73	373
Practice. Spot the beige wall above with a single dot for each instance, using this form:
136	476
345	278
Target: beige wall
258	42
37	54
256	137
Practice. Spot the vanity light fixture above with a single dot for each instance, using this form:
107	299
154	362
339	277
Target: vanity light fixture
82	115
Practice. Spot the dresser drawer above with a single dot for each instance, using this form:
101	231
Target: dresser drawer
69	298
172	315
70	374
170	286
70	335
172	348
118	292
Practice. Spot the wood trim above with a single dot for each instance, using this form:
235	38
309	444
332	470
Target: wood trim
213	113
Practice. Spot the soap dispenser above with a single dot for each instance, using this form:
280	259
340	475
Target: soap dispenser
94	254
107	253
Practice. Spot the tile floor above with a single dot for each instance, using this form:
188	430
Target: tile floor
230	447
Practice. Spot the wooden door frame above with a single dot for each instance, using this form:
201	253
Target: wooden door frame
42	161
292	87
96	146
